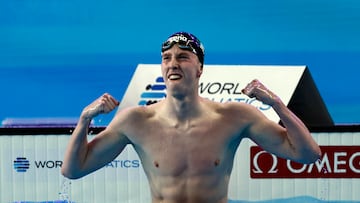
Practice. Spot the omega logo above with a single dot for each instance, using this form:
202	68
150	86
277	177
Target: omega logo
336	162
257	169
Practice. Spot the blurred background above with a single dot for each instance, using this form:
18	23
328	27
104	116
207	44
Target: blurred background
56	56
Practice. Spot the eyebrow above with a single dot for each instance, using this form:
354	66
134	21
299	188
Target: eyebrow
165	54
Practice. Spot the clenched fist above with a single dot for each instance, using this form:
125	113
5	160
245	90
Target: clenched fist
104	104
256	89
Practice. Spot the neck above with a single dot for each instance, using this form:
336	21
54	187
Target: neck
183	108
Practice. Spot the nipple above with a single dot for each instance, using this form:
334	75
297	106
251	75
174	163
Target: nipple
217	162
156	164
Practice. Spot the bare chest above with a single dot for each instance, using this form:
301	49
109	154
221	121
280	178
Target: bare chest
192	150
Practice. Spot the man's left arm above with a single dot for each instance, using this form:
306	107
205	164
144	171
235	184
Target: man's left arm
293	141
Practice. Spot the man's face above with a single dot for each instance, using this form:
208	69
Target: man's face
180	66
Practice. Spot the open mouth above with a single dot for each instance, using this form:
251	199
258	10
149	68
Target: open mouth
174	77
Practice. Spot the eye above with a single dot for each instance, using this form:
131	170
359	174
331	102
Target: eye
165	57
183	56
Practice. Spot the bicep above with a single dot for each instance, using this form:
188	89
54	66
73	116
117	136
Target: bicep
270	136
104	148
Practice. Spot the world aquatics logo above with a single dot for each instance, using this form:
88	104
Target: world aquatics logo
21	164
153	92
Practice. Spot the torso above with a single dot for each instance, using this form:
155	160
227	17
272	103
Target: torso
188	162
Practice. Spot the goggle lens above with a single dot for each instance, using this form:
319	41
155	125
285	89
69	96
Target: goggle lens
186	45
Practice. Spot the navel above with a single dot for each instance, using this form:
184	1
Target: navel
156	164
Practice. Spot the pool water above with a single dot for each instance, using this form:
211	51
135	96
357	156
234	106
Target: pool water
300	199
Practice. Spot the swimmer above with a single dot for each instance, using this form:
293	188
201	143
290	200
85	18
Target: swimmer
186	143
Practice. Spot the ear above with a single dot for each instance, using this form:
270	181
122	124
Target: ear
199	72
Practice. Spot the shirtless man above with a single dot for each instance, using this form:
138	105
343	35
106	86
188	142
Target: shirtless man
186	143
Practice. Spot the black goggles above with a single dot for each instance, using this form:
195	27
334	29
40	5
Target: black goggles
182	42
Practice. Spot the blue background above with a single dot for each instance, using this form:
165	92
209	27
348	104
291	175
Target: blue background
56	56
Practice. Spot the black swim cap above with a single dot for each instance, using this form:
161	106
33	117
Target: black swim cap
186	41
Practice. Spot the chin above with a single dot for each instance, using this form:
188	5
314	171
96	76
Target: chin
175	87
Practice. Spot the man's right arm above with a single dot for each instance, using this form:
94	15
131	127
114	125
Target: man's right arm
83	157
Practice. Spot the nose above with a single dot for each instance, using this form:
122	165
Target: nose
174	64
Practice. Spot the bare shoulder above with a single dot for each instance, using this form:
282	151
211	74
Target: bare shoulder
237	113
133	114
233	108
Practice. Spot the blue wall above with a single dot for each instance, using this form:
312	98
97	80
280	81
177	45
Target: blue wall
58	55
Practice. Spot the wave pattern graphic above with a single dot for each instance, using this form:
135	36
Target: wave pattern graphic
153	92
21	164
